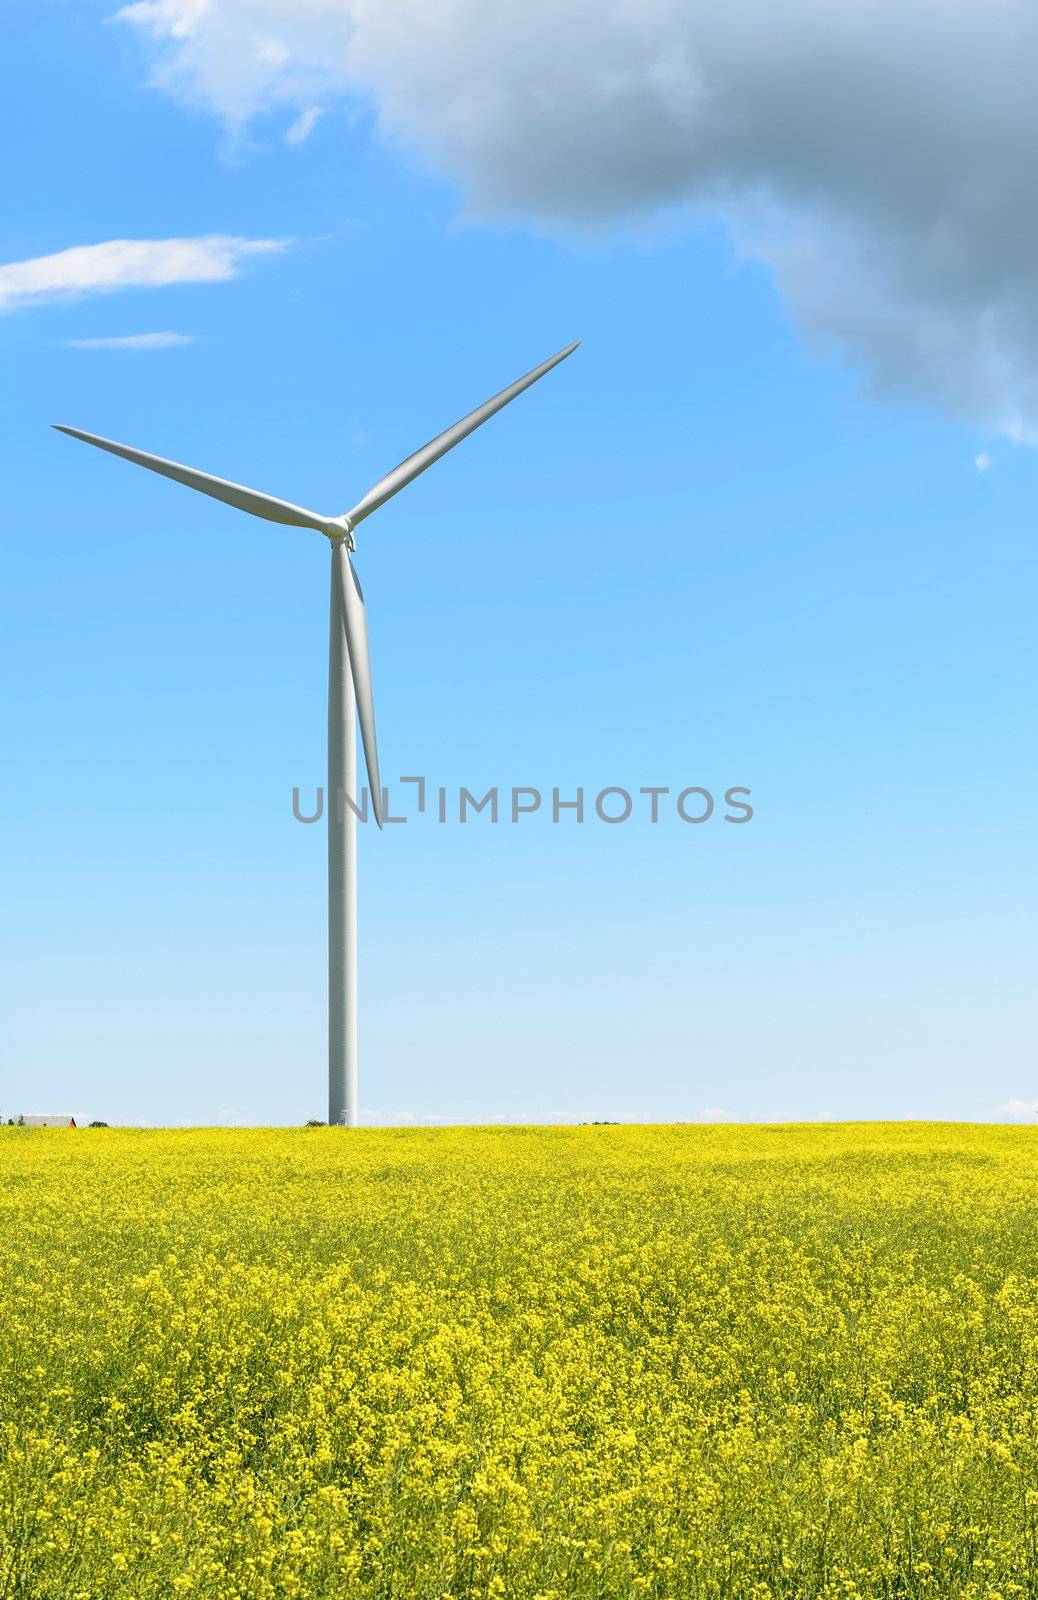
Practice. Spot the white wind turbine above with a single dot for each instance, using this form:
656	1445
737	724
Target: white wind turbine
349	697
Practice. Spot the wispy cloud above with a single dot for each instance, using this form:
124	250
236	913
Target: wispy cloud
90	269
304	125
1023	1110
133	341
983	462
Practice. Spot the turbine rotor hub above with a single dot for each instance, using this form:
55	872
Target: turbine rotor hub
340	528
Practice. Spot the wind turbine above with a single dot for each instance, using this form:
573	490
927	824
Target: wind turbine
349	699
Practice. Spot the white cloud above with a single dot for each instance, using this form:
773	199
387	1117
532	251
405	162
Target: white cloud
983	462
875	153
90	269
715	1114
133	341
304	125
1019	1110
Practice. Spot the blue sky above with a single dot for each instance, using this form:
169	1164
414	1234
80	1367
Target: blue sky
705	551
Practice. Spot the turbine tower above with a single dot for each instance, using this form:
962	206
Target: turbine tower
349	700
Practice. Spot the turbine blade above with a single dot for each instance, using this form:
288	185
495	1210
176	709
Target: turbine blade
356	623
259	505
403	474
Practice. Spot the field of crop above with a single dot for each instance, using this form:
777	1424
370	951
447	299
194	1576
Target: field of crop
543	1363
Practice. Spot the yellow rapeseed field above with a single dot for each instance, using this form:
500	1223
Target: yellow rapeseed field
548	1363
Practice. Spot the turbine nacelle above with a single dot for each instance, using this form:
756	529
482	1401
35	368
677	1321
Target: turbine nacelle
339	528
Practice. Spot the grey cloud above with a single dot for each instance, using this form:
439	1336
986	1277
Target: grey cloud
877	155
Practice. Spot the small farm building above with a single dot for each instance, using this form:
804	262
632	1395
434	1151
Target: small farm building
49	1122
